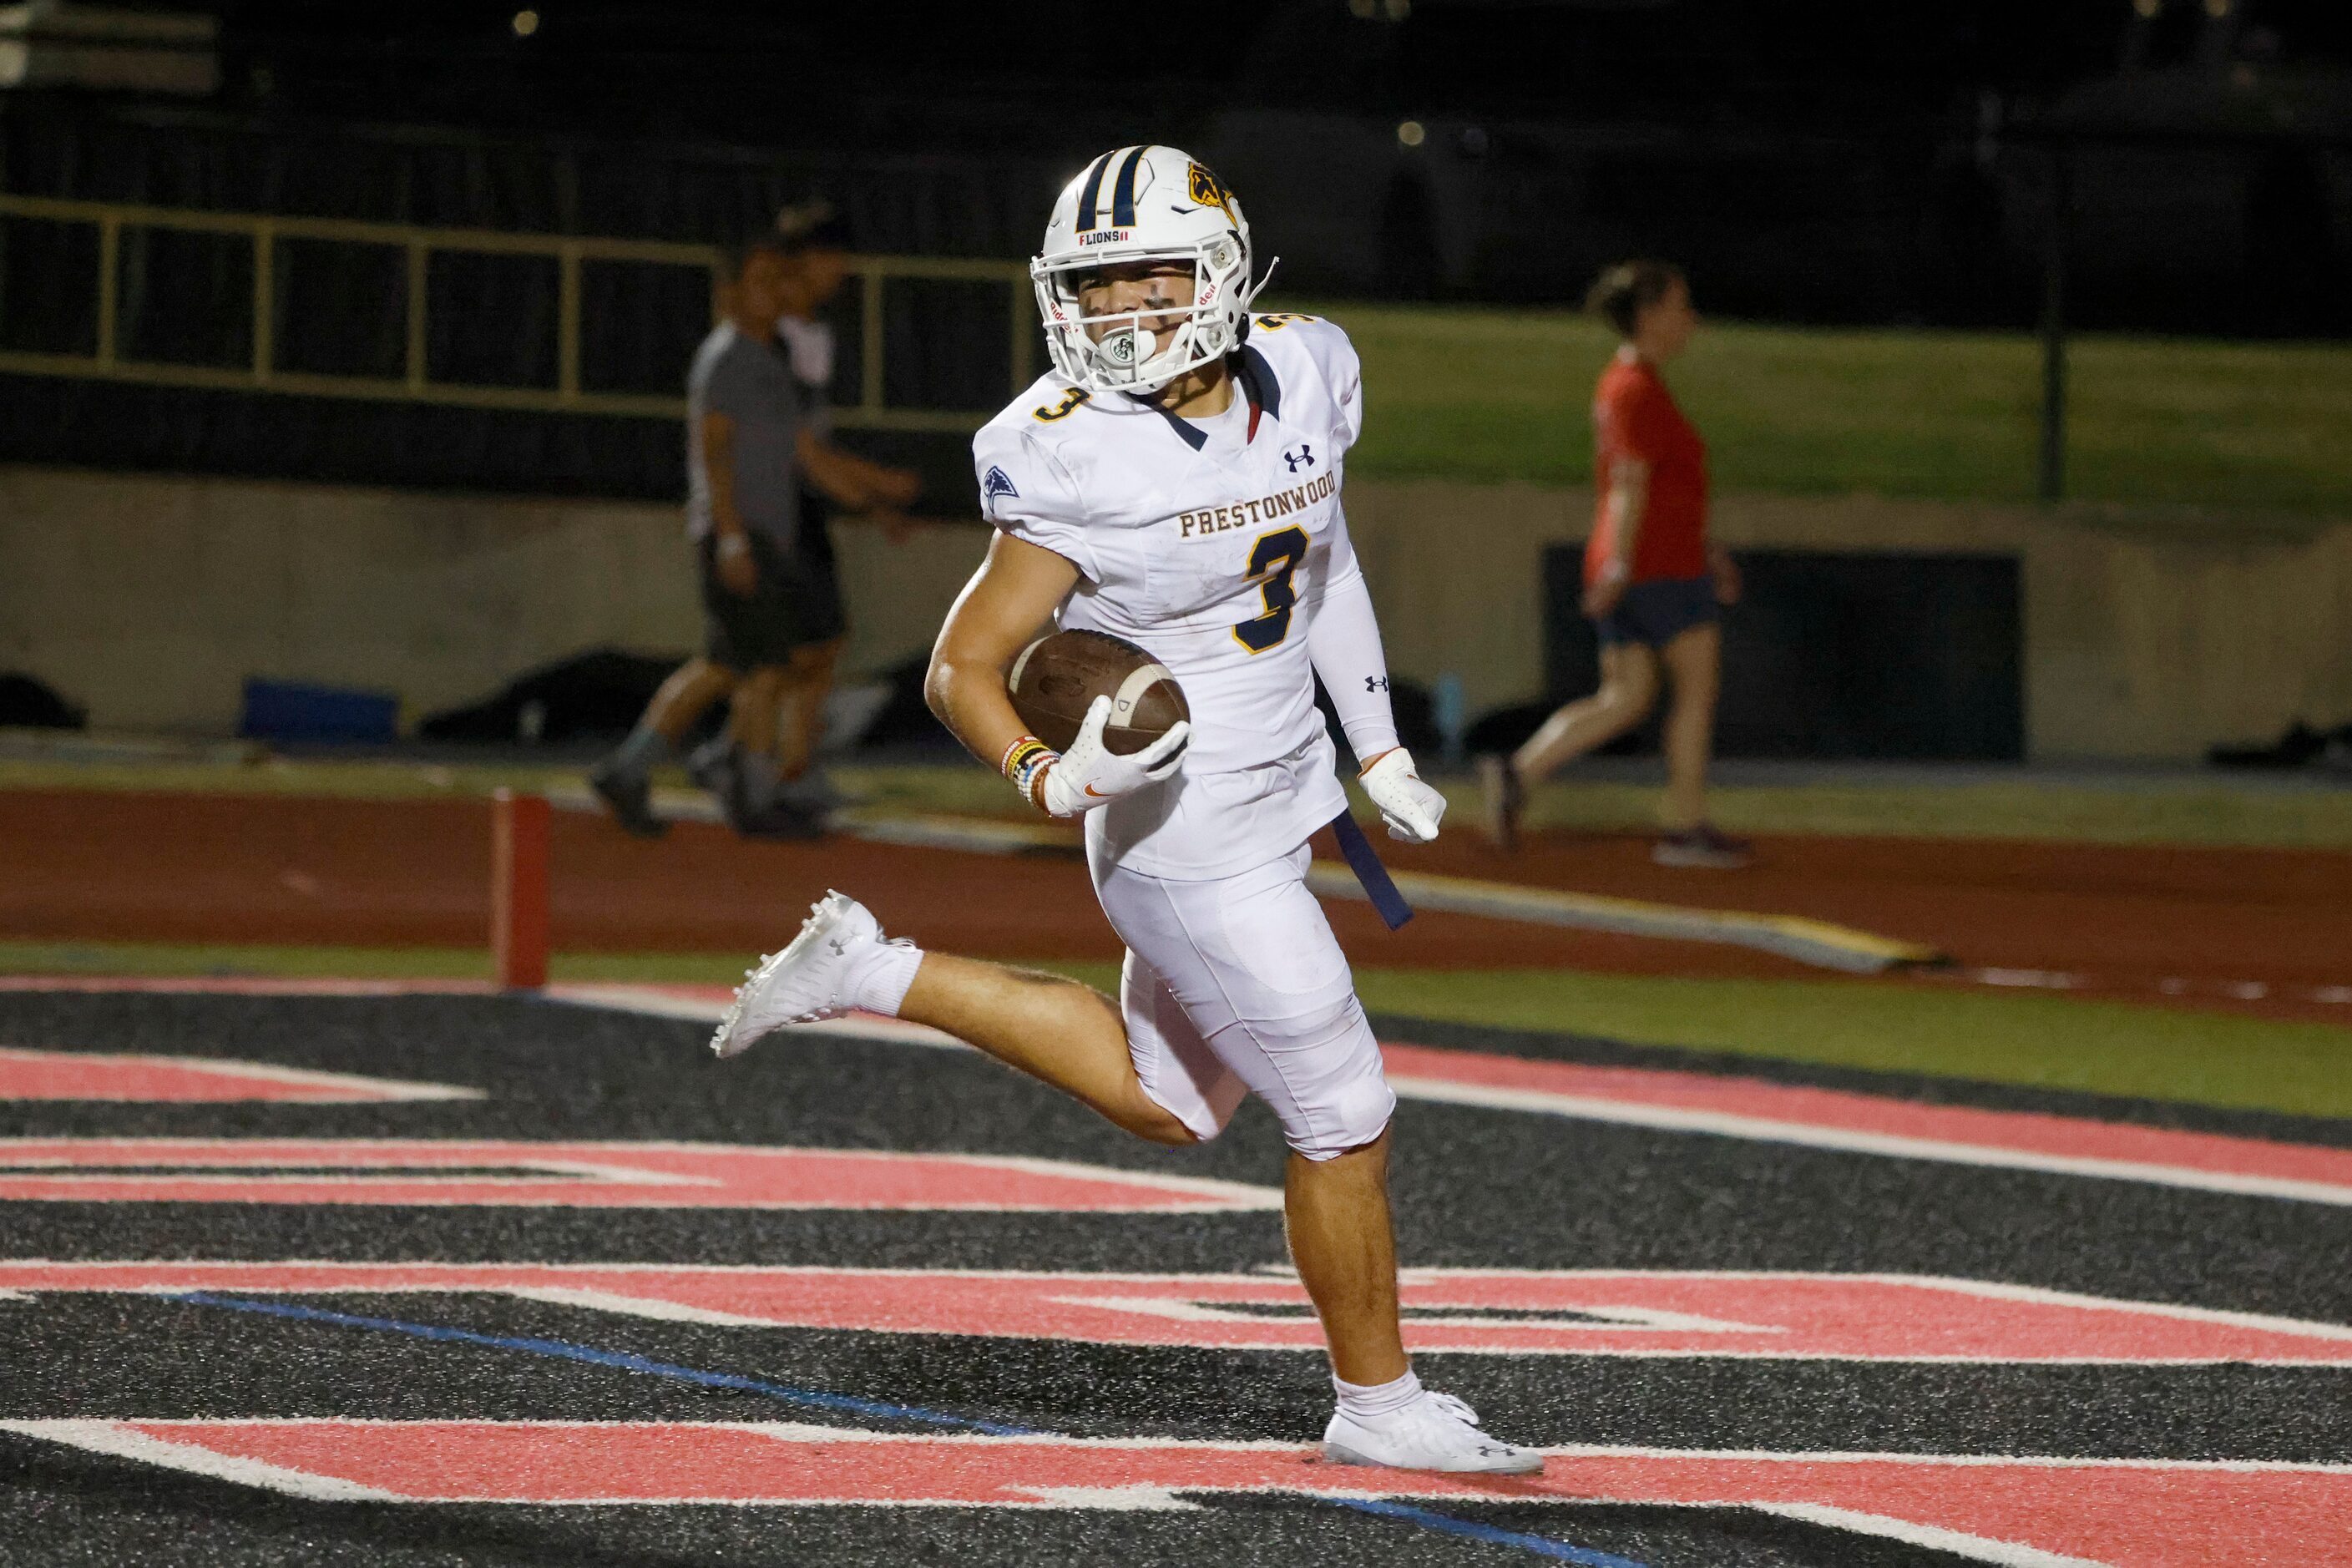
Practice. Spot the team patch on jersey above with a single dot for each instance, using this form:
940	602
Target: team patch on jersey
996	482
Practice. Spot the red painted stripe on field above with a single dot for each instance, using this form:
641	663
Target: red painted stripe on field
1760	1110
1566	1312
2151	1514
27	1074
241	986
1757	1108
583	1175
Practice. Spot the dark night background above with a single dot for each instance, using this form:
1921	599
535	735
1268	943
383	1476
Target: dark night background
1820	160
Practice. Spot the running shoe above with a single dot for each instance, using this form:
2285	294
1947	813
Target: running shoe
813	979
1435	1432
628	795
1503	798
1703	847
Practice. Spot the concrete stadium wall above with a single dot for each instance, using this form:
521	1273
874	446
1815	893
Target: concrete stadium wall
150	598
2146	634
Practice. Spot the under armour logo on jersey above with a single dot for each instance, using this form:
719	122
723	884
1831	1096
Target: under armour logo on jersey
1376	683
995	483
1302	458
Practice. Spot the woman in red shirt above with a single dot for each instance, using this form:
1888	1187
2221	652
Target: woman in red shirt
1652	580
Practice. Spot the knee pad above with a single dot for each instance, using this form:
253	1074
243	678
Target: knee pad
1345	1102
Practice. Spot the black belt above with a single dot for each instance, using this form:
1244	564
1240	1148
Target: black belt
1378	886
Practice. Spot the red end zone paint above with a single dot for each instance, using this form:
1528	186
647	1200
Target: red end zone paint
1801	1316
2128	1514
584	1175
239	985
90	1075
1873	1124
1753	1108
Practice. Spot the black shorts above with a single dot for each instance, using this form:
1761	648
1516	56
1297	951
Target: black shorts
796	602
1657	612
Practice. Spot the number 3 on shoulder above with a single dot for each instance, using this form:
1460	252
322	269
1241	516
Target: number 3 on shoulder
1271	563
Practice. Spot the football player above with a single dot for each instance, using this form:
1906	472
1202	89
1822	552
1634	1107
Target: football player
1175	482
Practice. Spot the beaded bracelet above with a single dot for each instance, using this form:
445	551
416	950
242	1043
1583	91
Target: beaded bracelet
1024	764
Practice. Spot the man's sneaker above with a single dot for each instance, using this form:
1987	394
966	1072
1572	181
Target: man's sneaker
1435	1432
1503	797
809	981
1702	847
778	816
628	795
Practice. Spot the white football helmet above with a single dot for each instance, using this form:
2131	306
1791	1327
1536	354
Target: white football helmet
1141	204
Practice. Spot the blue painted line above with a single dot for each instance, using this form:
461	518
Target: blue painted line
1541	1545
815	1399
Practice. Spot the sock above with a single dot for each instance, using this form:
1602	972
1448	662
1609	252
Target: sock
878	983
1373	1402
645	747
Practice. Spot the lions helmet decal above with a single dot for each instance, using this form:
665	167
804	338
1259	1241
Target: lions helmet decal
1207	191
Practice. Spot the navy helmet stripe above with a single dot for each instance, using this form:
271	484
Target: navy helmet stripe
1087	203
1122	200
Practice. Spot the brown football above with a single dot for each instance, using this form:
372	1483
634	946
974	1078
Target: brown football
1057	678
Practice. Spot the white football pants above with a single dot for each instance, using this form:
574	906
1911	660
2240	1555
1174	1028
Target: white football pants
1236	986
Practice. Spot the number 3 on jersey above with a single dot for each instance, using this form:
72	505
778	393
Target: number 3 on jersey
1278	555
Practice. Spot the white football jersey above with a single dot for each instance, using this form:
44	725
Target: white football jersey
1206	541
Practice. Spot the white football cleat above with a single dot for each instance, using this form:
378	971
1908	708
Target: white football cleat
809	981
1435	1432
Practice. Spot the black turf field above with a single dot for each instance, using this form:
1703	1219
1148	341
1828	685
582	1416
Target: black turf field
1474	1188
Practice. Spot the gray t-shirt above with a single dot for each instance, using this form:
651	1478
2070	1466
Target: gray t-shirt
752	384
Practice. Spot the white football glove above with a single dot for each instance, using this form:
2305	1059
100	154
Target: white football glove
1087	775
1411	809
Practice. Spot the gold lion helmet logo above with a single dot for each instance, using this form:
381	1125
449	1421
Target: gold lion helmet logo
1208	192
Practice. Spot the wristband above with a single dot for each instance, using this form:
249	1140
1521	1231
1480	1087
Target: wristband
1024	766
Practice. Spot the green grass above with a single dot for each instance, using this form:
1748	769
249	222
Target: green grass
2157	810
2036	1041
2183	809
241	961
2040	1041
352	779
2180	814
1491	396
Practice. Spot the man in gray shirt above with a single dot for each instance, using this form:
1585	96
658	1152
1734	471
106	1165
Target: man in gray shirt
755	435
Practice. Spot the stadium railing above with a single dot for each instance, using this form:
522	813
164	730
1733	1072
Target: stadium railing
262	371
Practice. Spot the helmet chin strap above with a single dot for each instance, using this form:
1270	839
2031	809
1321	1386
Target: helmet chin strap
1264	279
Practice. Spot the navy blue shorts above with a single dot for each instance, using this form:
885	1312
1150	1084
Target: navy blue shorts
1657	612
796	602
